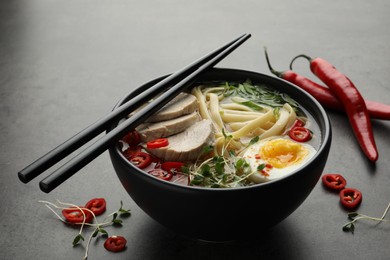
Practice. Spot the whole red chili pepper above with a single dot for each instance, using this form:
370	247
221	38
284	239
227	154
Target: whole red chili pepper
378	110
352	100
325	96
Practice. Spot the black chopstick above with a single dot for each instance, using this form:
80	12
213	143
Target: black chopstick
75	142
79	161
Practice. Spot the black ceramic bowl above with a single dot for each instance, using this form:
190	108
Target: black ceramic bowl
233	213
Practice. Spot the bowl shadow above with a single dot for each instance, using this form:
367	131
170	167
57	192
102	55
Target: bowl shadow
157	242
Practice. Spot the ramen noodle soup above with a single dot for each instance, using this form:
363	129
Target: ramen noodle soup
224	135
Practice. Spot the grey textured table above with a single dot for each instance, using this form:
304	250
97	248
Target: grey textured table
64	64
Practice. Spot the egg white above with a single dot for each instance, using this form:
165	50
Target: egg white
252	152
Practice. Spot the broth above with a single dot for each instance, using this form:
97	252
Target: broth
258	134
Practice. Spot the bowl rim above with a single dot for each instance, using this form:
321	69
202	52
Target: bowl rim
325	140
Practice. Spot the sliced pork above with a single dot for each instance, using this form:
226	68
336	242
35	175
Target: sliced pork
187	145
182	104
151	131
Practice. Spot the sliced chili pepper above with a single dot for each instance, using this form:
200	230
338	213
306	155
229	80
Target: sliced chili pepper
334	181
158	143
97	206
352	101
161	174
325	96
76	216
172	166
141	160
299	123
131	151
132	138
300	134
115	243
157	162
350	198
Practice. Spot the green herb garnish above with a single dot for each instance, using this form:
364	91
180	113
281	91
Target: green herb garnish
252	105
257	94
354	217
222	171
111	219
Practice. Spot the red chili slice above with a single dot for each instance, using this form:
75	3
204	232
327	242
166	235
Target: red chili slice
141	160
334	181
300	134
74	215
298	123
172	166
161	174
157	161
158	143
132	138
131	151
350	198
97	206
115	243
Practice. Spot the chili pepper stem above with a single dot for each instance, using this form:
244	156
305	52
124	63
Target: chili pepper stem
299	56
276	73
351	100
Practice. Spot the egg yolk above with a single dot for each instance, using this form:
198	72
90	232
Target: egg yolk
281	153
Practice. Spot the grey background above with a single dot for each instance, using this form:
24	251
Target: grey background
64	64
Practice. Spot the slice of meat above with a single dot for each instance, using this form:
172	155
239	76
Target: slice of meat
182	104
152	131
187	145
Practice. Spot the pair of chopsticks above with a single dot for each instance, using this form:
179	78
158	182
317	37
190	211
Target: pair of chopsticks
180	80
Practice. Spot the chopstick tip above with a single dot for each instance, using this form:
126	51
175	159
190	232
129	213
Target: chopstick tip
23	177
44	187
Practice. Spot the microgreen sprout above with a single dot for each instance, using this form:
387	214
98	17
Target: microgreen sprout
354	217
222	171
79	236
111	219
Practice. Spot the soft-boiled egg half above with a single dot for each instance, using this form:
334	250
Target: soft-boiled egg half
275	157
